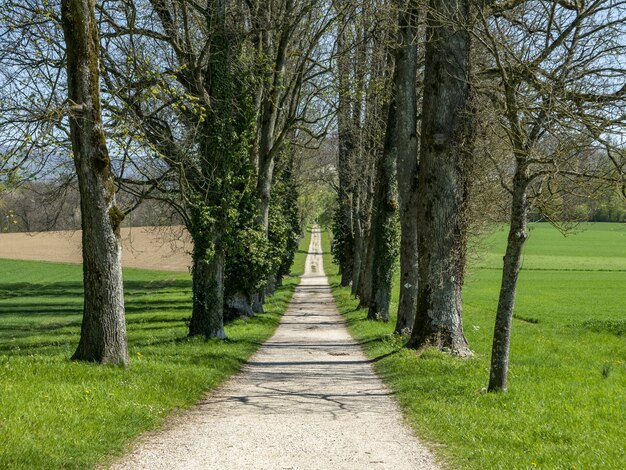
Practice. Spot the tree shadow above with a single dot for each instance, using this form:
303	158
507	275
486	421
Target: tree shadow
40	317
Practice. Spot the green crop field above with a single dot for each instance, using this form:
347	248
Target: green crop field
566	404
55	413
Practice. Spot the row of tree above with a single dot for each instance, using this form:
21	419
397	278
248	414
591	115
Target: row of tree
446	114
201	105
453	113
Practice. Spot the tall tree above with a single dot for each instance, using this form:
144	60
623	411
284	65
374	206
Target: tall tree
213	89
385	222
442	180
103	331
286	40
363	79
405	89
343	247
178	83
557	81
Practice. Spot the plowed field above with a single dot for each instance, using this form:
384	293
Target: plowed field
162	248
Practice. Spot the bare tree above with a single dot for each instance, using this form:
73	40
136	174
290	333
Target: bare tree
556	81
103	331
34	131
363	78
405	88
385	221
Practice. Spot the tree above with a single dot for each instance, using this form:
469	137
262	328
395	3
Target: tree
442	188
179	87
384	222
363	91
557	83
405	89
213	91
343	247
103	331
289	60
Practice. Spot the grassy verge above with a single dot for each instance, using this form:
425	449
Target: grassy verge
566	405
55	413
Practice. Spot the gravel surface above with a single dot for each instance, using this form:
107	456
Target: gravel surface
308	399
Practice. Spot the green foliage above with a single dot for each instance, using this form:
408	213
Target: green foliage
248	263
219	192
316	203
341	238
610	211
284	219
9	221
251	256
55	413
565	404
386	257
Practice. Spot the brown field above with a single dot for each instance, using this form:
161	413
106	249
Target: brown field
161	248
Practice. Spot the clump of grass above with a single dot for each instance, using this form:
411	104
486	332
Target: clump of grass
614	327
55	413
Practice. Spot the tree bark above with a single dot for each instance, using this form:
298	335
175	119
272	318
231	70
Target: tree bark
347	268
258	300
239	304
442	183
103	330
357	257
384	222
406	103
207	316
269	112
367	231
510	273
367	267
346	147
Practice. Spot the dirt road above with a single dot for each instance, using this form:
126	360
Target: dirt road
308	399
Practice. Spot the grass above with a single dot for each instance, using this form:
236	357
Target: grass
55	413
566	404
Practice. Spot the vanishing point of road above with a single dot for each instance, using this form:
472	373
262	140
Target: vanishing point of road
308	399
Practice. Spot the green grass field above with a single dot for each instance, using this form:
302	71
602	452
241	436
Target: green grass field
566	404
55	413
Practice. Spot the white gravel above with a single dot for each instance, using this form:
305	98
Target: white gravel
308	399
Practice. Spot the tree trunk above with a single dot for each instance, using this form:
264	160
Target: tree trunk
406	102
264	188
258	300
442	183
103	330
207	317
384	222
510	272
270	111
357	257
367	267
347	269
346	147
239	305
364	287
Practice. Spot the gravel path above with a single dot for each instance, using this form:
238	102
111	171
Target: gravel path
308	399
